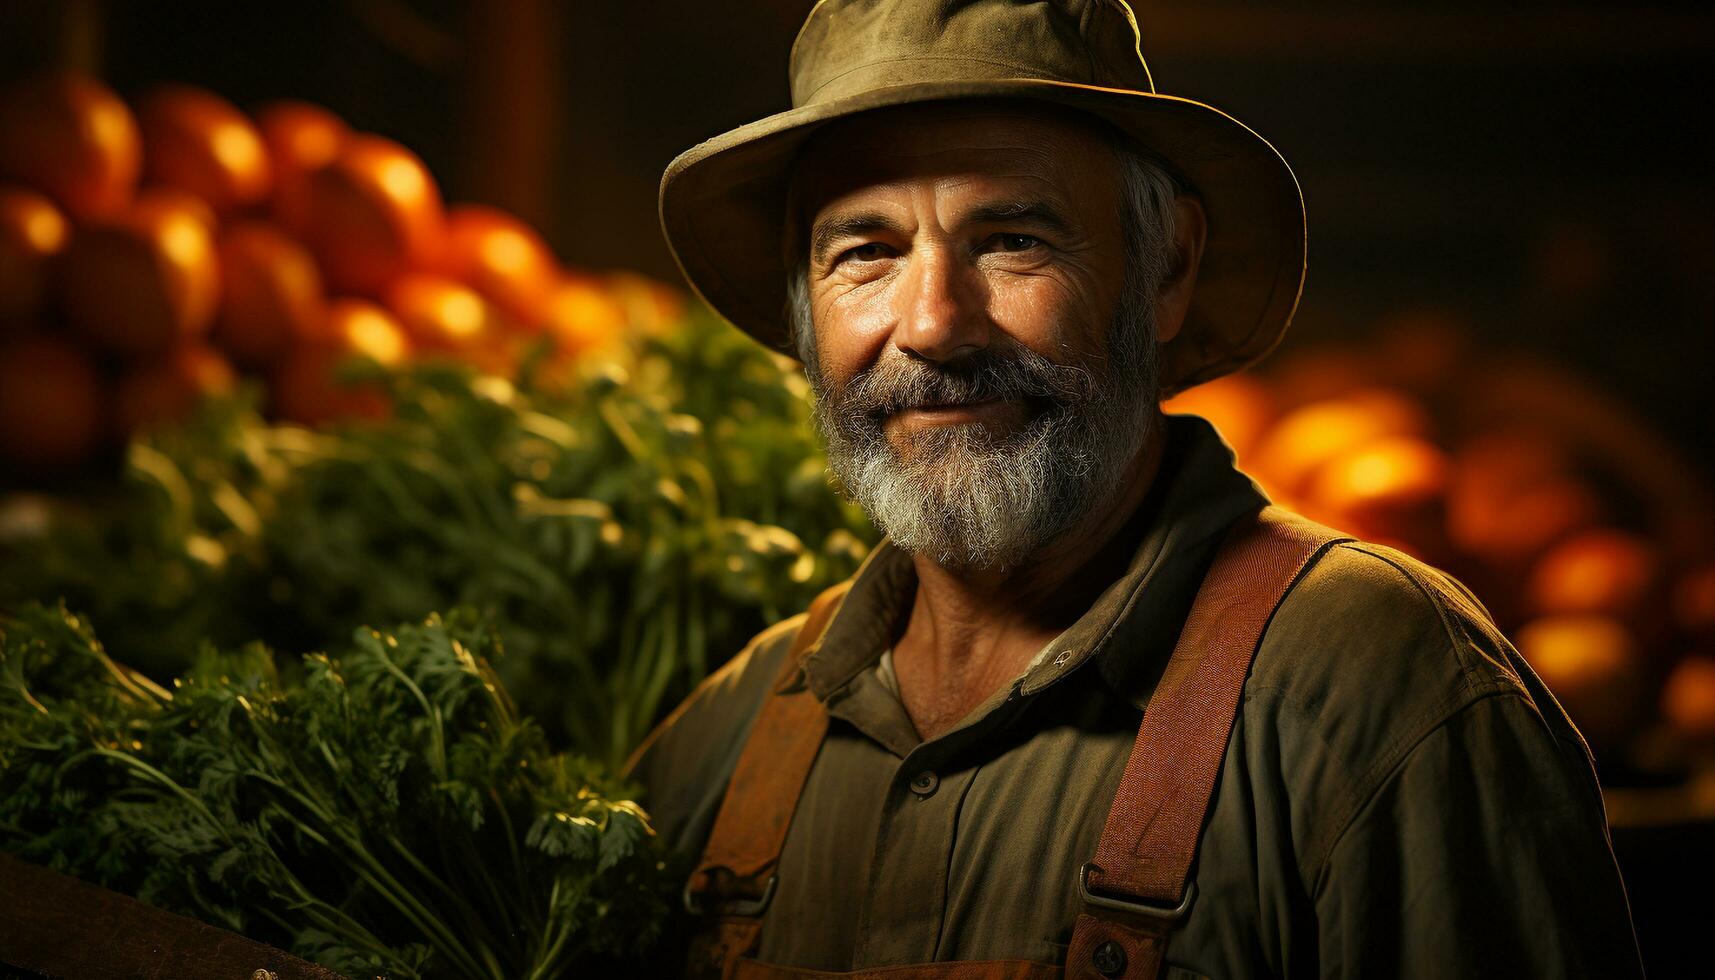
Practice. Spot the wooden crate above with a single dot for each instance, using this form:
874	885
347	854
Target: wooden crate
58	927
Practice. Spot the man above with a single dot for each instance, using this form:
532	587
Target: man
1085	710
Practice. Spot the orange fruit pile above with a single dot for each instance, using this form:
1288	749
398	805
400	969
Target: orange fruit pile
1588	536
152	254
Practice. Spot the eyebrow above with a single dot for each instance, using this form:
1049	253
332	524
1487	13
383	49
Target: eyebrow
1020	211
826	233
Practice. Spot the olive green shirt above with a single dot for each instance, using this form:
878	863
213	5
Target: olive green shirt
1400	797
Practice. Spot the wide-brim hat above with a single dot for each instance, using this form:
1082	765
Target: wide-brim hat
723	202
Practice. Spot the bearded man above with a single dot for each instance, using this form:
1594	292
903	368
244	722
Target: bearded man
1092	707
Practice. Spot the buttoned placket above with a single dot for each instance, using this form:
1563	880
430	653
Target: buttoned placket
903	906
905	903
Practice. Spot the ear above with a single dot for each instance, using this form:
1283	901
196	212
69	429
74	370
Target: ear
1173	298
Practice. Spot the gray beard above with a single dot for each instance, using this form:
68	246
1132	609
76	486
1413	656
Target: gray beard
971	499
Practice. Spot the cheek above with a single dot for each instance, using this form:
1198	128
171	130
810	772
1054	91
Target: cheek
851	331
1040	312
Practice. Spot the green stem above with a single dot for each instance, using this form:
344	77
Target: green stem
623	431
171	784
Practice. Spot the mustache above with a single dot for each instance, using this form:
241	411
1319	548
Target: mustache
1013	373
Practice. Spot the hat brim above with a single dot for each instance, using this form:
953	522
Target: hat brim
723	210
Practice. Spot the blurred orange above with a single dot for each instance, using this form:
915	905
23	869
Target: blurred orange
305	386
441	314
1239	406
301	138
1514	493
199	142
1308	438
1688	698
651	306
191	204
583	316
271	293
167	389
51	404
1511	530
1320	373
1591	665
1610	436
1390	488
70	137
32	234
502	258
1597	571
359	327
372	214
143	281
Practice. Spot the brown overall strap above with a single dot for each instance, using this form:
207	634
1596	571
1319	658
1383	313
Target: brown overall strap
1136	888
735	878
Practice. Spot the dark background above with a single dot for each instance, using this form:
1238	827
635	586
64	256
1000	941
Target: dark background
1540	170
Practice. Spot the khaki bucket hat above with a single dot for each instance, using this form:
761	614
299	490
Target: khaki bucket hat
723	202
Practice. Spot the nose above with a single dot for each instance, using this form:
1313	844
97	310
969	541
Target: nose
942	315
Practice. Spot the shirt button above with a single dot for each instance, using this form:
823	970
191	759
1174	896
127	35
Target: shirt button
1109	959
924	783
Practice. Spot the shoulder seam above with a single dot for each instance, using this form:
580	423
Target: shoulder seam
1457	637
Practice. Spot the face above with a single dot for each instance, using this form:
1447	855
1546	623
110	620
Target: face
983	354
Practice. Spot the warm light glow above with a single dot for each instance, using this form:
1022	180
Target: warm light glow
506	251
1238	406
1688	700
236	147
46	230
582	316
109	123
1393	467
460	313
371	333
401	179
1599	571
1372	474
184	240
1310	437
1576	651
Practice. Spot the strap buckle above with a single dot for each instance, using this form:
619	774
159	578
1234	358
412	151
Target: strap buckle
732	906
1133	906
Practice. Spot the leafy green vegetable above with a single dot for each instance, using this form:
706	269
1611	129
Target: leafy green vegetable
383	810
386	808
627	534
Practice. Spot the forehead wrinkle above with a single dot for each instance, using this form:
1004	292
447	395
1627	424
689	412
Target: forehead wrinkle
884	195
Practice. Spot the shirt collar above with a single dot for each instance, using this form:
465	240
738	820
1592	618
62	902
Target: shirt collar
1130	627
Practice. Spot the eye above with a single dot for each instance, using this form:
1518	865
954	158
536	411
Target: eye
867	252
1016	243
